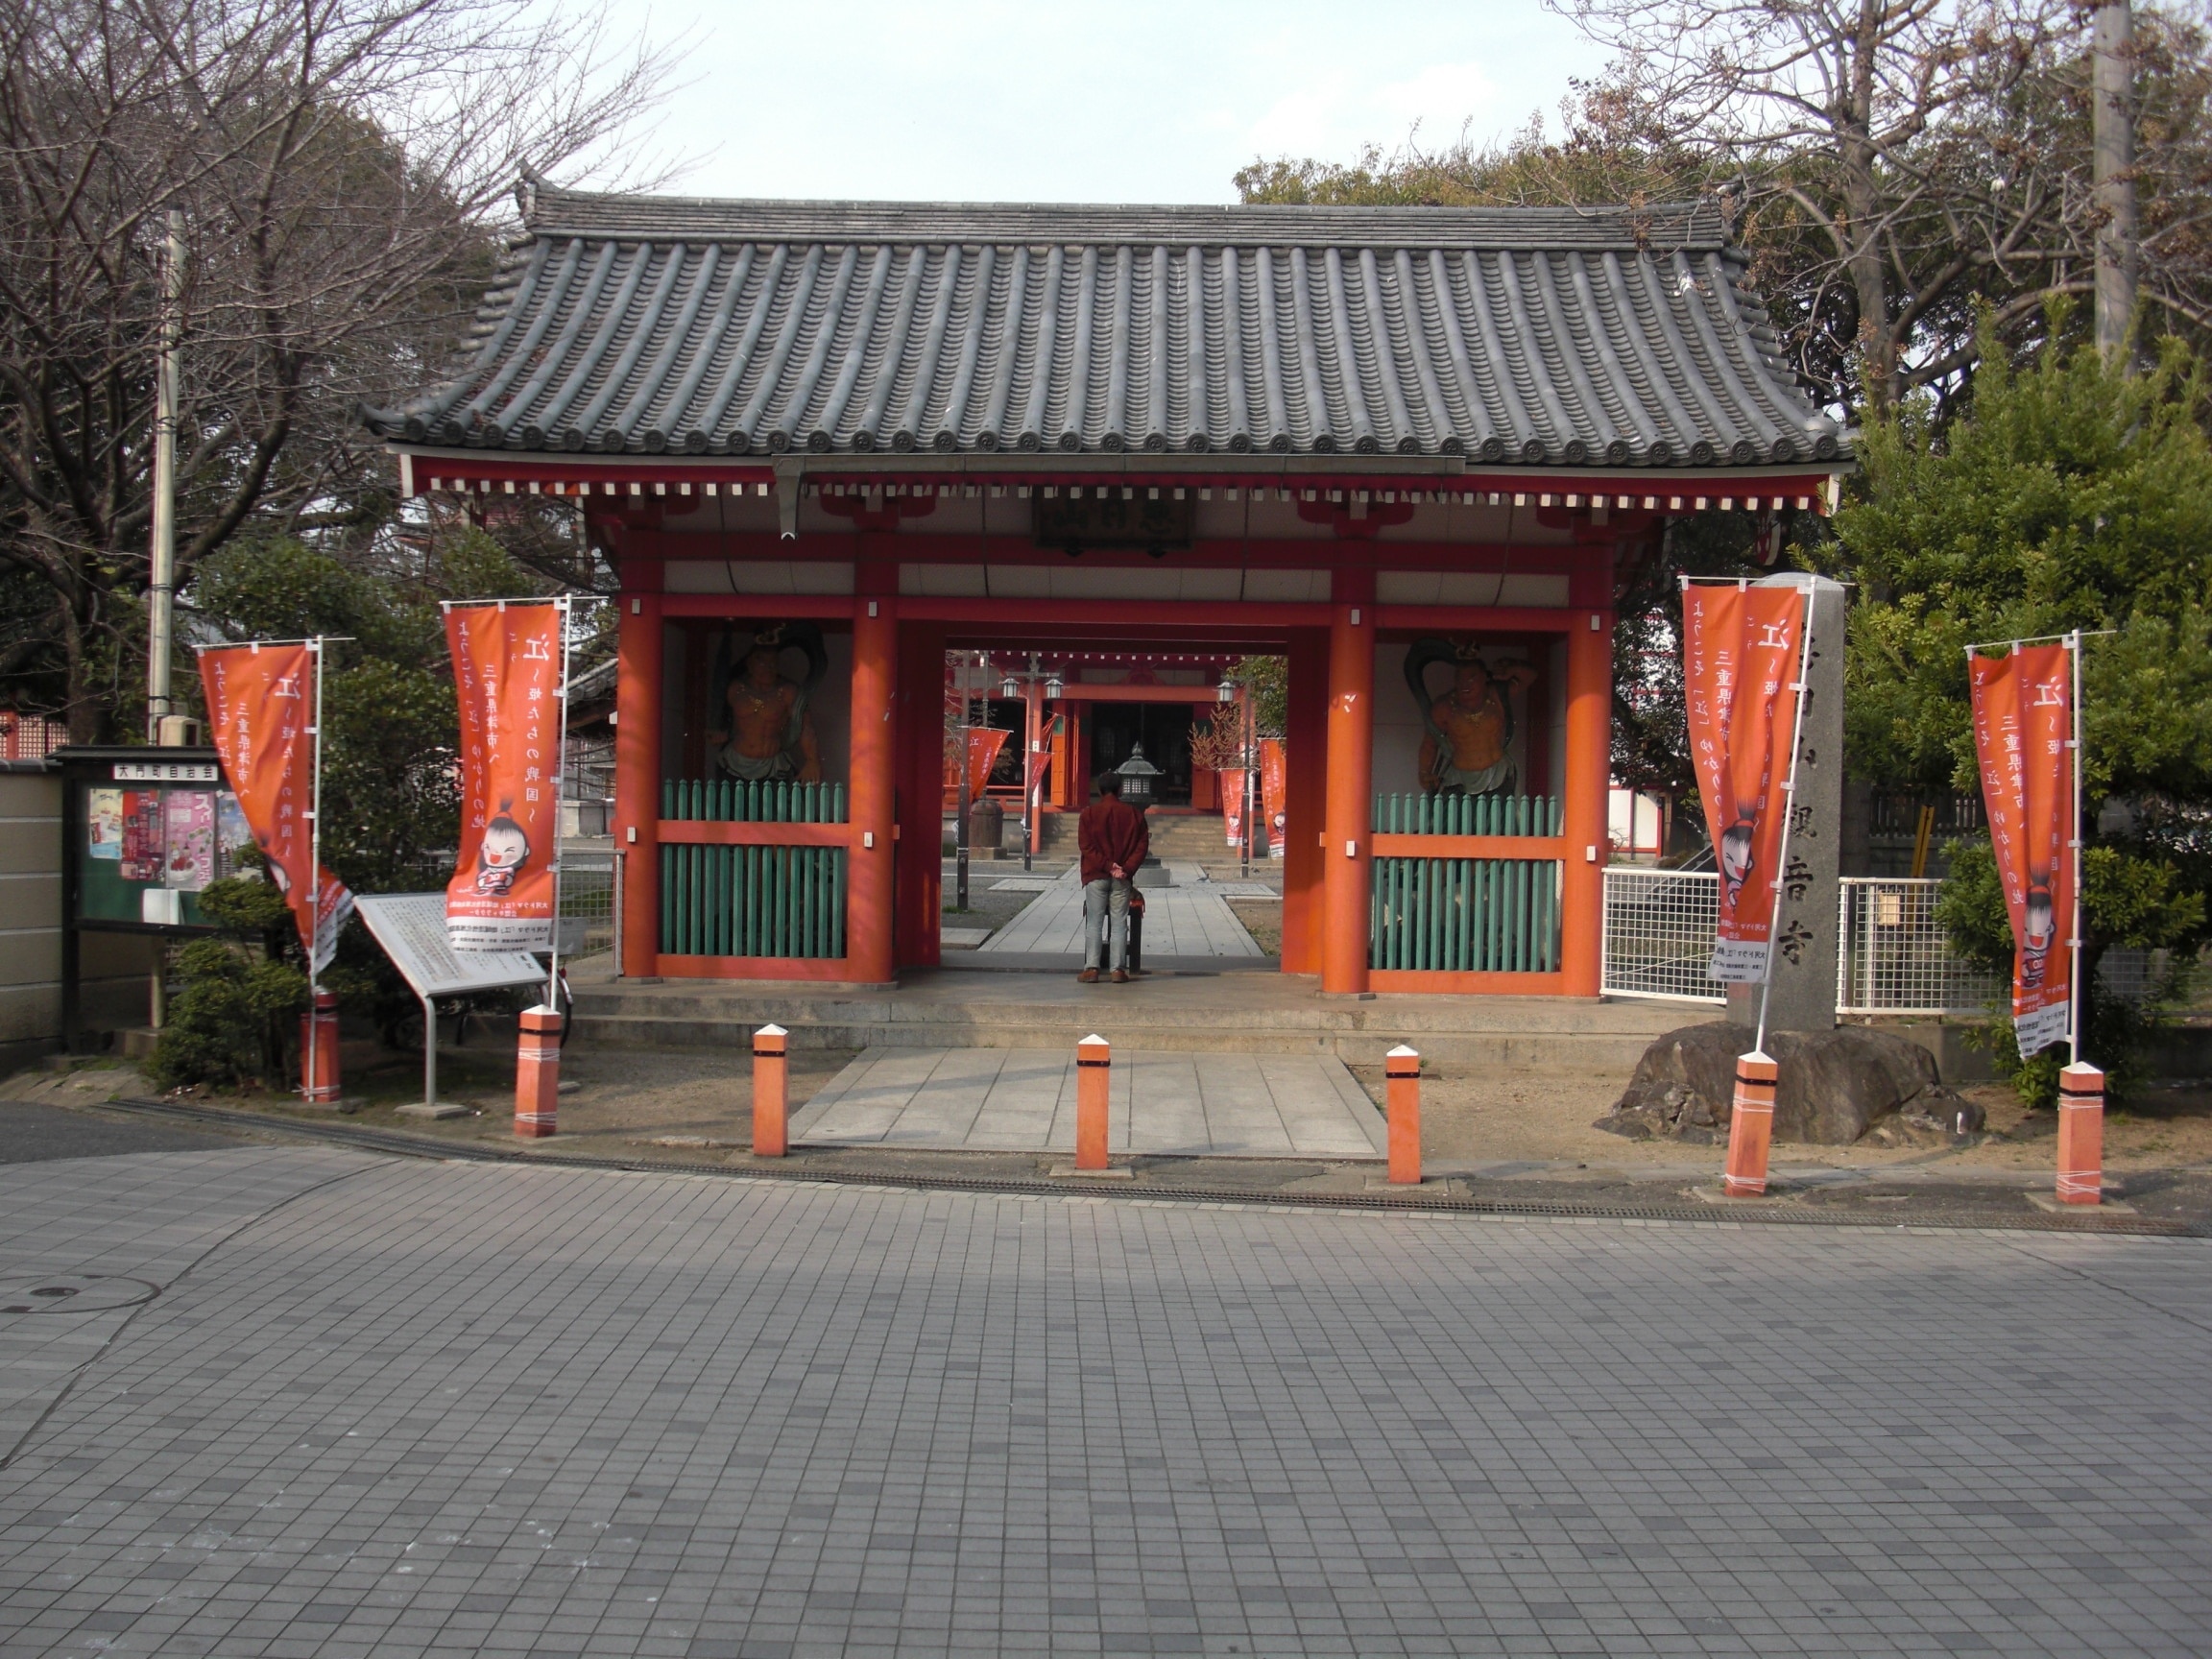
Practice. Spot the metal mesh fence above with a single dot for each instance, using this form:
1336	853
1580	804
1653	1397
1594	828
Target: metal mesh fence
1659	933
587	896
1893	957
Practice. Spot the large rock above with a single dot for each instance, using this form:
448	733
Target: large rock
1832	1088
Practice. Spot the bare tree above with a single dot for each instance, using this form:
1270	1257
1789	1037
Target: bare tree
1900	161
343	168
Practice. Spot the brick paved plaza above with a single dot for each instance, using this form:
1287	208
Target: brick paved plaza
393	1407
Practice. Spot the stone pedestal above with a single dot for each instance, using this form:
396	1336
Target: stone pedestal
1803	997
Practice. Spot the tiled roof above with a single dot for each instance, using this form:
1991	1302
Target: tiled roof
1527	336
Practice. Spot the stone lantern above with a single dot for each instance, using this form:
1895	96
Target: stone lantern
1137	774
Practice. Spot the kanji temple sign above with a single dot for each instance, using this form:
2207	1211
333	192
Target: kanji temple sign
1413	451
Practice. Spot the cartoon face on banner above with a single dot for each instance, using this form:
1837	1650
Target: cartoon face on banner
1741	658
2022	724
503	852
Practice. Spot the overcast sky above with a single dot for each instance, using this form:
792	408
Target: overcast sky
1137	100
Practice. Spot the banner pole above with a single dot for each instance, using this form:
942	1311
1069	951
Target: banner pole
2074	996
560	786
1788	809
315	875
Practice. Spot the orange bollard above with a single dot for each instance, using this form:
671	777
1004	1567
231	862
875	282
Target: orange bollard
319	1051
1094	1075
2081	1135
1403	1066
537	1073
1750	1126
771	1070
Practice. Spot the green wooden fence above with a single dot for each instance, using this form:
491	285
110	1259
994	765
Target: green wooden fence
752	901
1466	915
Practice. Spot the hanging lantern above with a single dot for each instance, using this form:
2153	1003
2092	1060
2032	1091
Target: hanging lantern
1226	691
1054	685
1009	687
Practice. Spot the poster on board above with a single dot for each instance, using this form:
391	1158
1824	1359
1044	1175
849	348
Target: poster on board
103	824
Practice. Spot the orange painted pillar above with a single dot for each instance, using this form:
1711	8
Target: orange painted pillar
319	1051
868	885
637	766
1402	1065
1750	1126
537	1073
771	1093
2081	1135
1093	1079
1306	794
1345	868
1583	782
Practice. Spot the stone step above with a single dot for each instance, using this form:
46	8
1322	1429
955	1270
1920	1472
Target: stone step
1522	1034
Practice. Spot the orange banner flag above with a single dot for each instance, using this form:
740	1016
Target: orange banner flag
1741	650
2023	739
1274	796
983	746
507	675
261	719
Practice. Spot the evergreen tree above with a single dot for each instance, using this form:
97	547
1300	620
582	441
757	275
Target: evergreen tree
2075	494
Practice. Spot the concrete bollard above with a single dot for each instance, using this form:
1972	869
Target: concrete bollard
1750	1126
1402	1065
1093	1076
537	1073
319	1051
771	1092
2081	1135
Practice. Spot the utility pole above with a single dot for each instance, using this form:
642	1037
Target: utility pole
2114	48
161	578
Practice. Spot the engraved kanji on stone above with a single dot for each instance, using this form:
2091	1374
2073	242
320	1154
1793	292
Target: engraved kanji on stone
1794	939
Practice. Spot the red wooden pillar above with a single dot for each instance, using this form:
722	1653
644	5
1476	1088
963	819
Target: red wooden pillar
869	886
1305	745
638	765
920	743
1583	782
1345	853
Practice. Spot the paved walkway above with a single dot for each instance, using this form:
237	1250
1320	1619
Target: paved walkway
1024	1100
1191	918
405	1408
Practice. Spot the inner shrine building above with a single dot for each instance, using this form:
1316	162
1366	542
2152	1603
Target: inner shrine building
1413	453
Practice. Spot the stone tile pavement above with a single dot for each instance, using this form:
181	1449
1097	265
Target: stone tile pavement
1190	918
425	1409
1024	1100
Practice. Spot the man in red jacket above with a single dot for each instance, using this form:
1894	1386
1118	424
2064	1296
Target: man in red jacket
1112	838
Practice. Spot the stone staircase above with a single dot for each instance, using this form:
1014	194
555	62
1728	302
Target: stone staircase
1186	837
1227	1013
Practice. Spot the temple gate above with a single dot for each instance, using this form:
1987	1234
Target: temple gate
1410	451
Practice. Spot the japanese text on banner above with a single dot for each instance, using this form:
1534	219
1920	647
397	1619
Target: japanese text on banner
1741	654
505	676
2023	725
260	707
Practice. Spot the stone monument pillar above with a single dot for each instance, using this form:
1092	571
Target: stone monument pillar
1805	911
